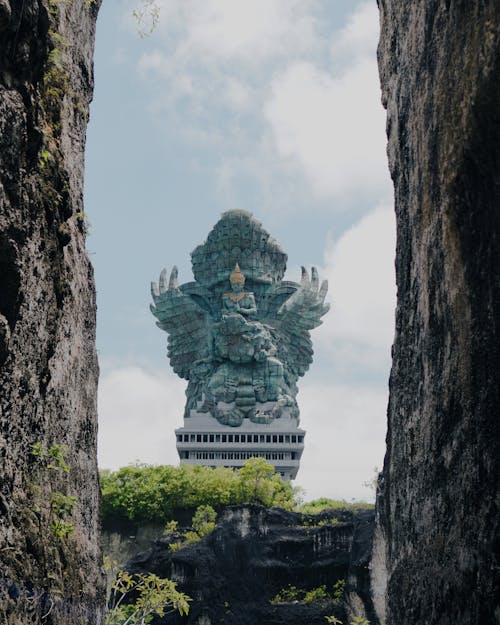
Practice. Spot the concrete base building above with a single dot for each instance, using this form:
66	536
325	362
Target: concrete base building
205	441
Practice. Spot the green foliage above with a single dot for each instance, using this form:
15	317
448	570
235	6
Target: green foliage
153	596
314	522
147	493
62	505
204	520
287	595
318	505
258	483
48	463
356	620
338	591
52	459
188	538
45	158
61	529
170	528
317	594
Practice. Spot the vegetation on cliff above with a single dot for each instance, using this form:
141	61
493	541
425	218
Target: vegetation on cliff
152	493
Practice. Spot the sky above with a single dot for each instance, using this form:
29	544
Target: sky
272	106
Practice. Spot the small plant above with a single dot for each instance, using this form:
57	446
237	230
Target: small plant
61	506
313	522
203	523
318	505
49	461
316	594
292	593
338	591
287	595
204	520
356	620
170	528
53	459
61	529
188	538
154	596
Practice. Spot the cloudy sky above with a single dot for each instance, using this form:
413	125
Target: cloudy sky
272	106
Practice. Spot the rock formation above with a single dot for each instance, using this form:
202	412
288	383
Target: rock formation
49	555
440	72
254	552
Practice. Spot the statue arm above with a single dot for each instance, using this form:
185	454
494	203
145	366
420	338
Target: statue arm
307	305
250	308
186	323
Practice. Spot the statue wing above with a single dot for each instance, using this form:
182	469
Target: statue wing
300	309
186	318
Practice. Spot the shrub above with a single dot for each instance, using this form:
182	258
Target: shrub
316	594
318	505
152	493
287	595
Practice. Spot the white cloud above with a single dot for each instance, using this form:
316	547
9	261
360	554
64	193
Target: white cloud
210	49
249	32
359	328
138	412
359	37
271	61
332	127
345	431
239	95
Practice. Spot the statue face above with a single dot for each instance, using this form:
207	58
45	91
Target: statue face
237	287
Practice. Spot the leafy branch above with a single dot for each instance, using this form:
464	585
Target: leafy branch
154	596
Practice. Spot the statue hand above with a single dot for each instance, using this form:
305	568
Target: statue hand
308	297
173	284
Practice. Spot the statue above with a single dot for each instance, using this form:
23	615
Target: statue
242	351
238	300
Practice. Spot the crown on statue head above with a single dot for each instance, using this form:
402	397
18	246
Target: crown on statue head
237	276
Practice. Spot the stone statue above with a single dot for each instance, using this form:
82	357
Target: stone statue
242	351
238	300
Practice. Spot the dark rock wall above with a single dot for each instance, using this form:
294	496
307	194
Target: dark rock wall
439	64
254	552
48	367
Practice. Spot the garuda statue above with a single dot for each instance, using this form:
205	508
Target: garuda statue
240	334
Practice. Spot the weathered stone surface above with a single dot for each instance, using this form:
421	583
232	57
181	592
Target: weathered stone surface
440	71
48	367
254	552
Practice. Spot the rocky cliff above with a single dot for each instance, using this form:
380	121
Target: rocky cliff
439	64
233	573
49	554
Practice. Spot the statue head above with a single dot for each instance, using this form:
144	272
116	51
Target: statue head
237	279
